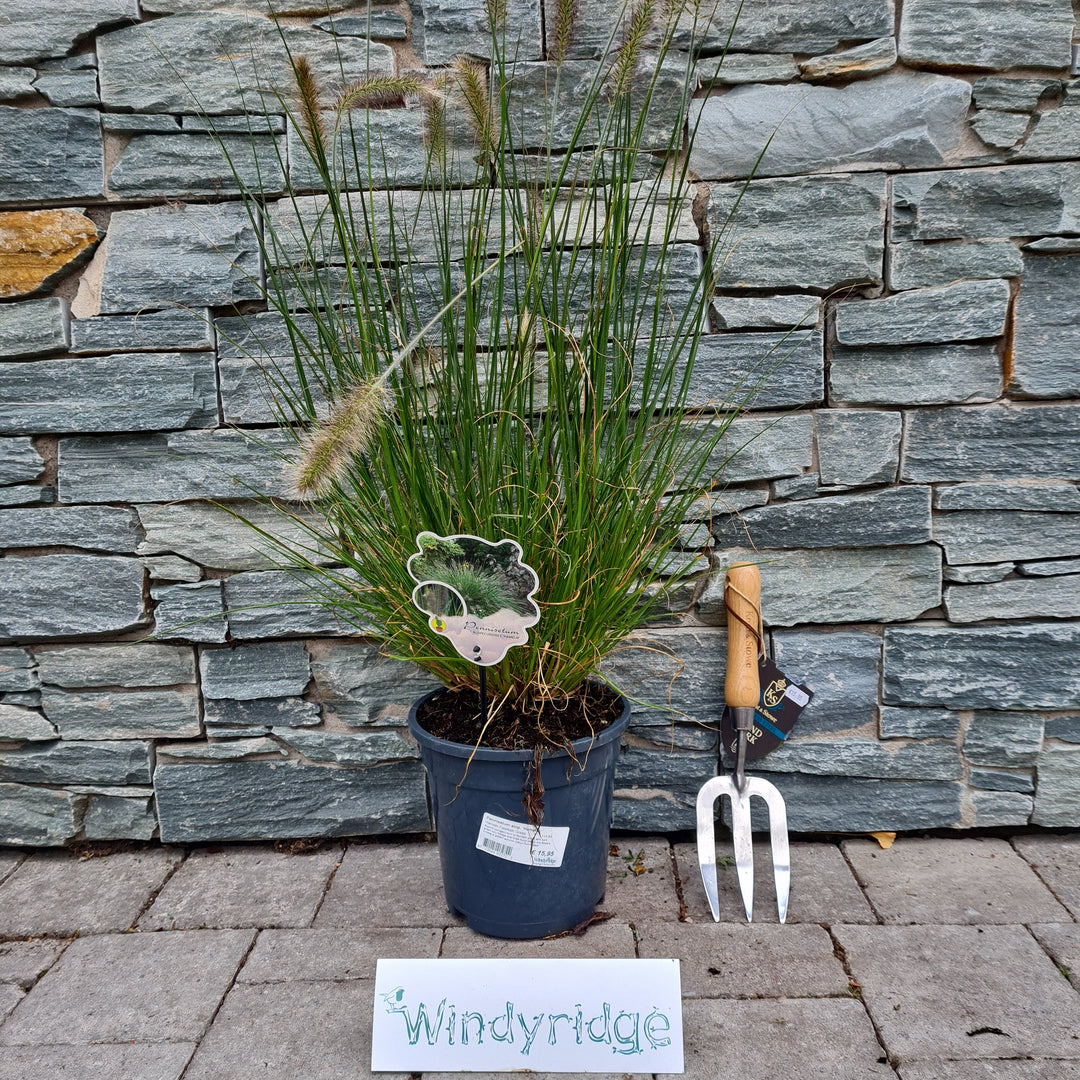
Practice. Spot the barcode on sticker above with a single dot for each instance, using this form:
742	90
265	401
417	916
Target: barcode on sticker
520	842
799	696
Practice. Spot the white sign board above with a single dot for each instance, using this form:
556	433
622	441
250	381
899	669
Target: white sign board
605	1016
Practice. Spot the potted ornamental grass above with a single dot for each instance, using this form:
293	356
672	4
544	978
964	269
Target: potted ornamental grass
489	406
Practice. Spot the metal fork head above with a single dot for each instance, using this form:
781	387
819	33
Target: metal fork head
742	838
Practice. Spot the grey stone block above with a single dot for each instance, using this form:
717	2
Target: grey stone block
52	29
117	762
842	668
17	670
994	809
986	536
1021	201
1045	495
804	486
350	748
161	390
734	69
223	464
862	60
1000	130
1061	942
20	724
1054	859
760	449
179	983
95	528
1005	739
50	596
259	799
132	714
1054	134
165	255
57	893
1040	442
985	965
261	712
892	516
1020	598
926	881
32	816
361	688
387	25
924	759
22	963
996	35
1012	94
256	671
965	311
766	312
730	960
456	27
897	723
134	78
644	810
128	665
19	461
231	537
246	747
1046	337
1002	780
120	817
821	1036
171	568
857	447
140	123
194	612
1064	728
150	331
193	164
1057	791
54	154
910	120
814	234
915	266
277	603
1025	666
760	371
68	89
242	886
1049	568
15	82
840	585
33	328
27	495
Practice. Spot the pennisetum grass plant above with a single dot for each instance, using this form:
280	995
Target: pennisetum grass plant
506	349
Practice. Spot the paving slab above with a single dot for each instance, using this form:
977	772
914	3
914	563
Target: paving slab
57	893
9	860
739	961
803	1039
10	996
387	885
612	939
246	885
331	955
129	1061
641	880
823	888
24	962
313	1031
130	987
969	880
962	992
1056	859
1062	942
991	1070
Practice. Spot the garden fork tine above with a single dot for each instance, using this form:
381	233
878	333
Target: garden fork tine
742	690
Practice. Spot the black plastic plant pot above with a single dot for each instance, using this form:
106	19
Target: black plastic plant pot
500	872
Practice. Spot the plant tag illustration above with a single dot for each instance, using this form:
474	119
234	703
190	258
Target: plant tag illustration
475	592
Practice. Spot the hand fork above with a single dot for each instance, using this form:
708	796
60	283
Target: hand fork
742	597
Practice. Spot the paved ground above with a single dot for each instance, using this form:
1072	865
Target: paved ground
938	959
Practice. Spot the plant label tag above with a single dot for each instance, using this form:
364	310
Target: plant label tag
520	842
476	593
777	710
568	1016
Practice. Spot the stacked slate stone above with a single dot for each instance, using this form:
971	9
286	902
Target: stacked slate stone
900	297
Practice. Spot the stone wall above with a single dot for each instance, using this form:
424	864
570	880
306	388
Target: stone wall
902	282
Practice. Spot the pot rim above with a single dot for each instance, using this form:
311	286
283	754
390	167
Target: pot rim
491	753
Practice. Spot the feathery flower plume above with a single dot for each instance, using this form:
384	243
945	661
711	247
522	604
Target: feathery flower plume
472	81
496	11
635	32
434	105
566	12
379	91
343	436
311	115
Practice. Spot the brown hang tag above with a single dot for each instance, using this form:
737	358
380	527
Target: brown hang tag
778	708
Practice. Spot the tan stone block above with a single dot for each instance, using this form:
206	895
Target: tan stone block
37	246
